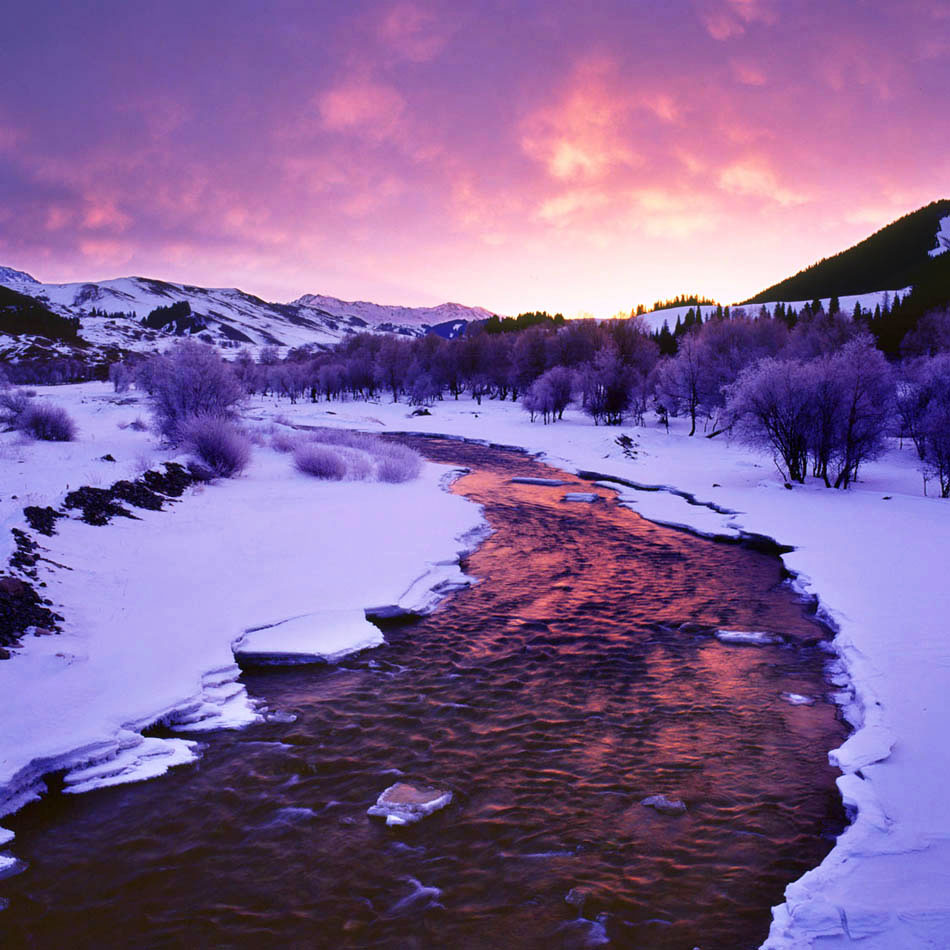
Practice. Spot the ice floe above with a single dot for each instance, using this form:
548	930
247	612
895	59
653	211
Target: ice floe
402	803
748	637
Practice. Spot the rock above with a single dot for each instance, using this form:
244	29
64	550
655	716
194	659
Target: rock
797	699
576	897
402	803
748	637
4	654
12	585
106	458
664	805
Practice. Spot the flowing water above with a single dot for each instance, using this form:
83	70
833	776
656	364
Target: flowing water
577	678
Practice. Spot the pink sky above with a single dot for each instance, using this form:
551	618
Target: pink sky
519	155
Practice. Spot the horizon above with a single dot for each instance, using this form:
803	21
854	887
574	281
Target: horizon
419	153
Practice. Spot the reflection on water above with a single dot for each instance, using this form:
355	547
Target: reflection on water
551	698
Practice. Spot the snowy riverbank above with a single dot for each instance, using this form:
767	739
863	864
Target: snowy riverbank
874	556
154	605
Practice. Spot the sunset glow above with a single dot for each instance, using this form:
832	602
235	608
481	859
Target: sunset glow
572	157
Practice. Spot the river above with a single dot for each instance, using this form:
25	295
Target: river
579	676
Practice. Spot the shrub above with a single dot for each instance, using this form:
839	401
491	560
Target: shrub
220	447
359	464
191	380
284	442
397	463
47	423
13	403
320	461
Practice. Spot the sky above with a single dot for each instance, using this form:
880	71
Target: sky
581	157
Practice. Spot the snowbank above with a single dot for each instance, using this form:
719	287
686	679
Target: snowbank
876	557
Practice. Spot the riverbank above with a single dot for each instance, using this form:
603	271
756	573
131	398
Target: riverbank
152	606
873	558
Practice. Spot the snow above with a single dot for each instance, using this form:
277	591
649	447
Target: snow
875	556
374	313
656	318
756	638
324	635
403	804
943	237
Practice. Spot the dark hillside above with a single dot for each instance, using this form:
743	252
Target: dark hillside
892	258
22	314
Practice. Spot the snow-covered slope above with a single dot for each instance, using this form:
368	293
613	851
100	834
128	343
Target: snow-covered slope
376	314
943	238
869	301
111	314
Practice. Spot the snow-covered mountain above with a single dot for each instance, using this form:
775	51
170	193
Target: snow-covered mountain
375	314
111	314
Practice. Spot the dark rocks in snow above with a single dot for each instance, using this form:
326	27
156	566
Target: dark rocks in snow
98	505
138	494
42	520
172	482
21	608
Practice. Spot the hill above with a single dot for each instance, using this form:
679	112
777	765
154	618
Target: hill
907	252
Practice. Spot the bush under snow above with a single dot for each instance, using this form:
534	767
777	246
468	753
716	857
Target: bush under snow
356	456
220	447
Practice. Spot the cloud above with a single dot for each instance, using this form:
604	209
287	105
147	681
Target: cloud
369	108
729	19
748	74
753	177
583	136
413	32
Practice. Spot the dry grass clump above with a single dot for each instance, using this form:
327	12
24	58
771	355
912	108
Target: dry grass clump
339	454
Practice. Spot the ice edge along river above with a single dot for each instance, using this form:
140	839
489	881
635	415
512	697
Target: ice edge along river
874	555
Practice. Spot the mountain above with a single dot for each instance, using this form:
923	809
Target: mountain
378	314
909	251
93	320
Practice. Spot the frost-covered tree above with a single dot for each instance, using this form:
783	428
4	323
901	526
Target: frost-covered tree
866	385
680	380
607	386
191	379
550	394
771	408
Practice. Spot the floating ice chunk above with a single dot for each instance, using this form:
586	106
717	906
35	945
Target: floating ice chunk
8	867
796	699
422	896
584	496
134	762
664	805
748	637
6	836
323	636
402	804
526	480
